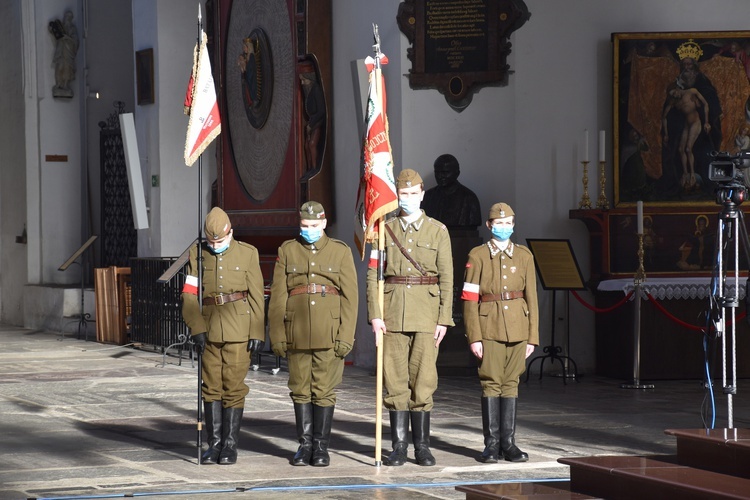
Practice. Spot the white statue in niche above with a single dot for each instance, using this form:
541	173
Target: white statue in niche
66	48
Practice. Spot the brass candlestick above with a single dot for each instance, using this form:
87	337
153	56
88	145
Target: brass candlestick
585	200
602	201
638	279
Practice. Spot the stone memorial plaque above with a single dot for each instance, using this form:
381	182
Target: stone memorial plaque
459	46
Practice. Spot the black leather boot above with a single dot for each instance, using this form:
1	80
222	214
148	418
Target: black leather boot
322	420
303	414
491	427
511	453
231	434
399	433
212	413
420	435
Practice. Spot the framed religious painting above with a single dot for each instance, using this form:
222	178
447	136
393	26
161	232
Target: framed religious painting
681	104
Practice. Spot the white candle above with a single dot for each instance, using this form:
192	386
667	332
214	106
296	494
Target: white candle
639	210
602	155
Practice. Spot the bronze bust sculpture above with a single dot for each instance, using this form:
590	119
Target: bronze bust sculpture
451	202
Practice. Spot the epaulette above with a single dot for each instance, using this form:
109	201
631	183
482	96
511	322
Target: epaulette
289	242
246	245
437	223
340	242
523	248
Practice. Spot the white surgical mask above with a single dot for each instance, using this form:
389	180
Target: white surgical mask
409	205
223	247
311	234
502	233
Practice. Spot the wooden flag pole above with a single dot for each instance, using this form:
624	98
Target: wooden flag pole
379	349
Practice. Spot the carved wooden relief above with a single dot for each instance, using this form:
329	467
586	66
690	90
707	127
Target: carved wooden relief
273	65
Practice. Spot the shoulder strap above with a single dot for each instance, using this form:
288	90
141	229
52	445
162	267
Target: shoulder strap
404	252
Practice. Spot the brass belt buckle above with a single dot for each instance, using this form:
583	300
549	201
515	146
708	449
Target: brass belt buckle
312	288
219	300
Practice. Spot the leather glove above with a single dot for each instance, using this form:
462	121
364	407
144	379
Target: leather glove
254	345
279	349
199	341
341	349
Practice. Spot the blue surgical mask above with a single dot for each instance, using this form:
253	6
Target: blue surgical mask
222	248
311	234
409	205
502	233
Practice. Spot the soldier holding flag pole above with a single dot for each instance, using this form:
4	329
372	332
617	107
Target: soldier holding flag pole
222	299
413	267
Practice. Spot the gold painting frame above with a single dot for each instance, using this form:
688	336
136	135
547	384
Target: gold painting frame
663	83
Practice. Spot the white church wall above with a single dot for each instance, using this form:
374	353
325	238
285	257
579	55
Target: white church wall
171	30
58	192
12	171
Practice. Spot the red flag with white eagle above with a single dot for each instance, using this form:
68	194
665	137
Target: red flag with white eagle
201	105
377	187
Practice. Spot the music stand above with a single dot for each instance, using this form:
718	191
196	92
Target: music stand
85	317
558	269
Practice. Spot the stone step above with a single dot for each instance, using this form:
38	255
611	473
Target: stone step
719	450
554	490
657	477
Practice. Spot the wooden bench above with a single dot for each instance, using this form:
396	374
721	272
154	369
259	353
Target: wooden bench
658	477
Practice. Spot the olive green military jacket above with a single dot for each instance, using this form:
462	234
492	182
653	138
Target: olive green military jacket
414	308
235	270
491	271
313	321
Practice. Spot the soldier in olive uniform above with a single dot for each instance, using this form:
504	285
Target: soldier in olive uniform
502	327
226	330
312	316
418	308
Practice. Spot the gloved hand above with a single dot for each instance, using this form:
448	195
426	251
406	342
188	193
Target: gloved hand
199	341
254	345
341	349
279	349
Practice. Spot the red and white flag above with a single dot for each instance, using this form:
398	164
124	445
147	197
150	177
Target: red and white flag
201	105
377	187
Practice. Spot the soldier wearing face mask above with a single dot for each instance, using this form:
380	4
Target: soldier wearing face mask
418	308
502	327
226	330
312	316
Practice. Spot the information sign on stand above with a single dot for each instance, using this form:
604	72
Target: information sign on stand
558	269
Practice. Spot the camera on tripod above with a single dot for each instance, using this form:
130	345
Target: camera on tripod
727	171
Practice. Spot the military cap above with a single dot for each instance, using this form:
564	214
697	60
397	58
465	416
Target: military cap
217	224
500	210
312	210
408	178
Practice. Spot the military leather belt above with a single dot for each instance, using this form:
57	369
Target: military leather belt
221	299
491	297
412	280
312	288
